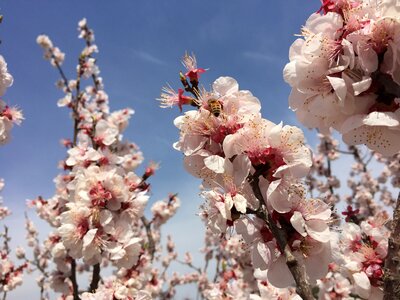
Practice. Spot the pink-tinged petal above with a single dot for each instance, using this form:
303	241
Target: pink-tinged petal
318	230
277	196
225	213
194	165
295	49
378	138
225	86
348	52
368	57
249	106
117	252
89	237
362	86
325	104
389	8
339	86
228	201
231	146
274	137
241	166
105	217
297	99
192	143
279	274
362	285
261	256
215	163
298	223
328	24
318	210
317	263
240	203
290	73
352	123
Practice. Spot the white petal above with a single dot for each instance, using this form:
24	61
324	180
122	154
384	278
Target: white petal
361	284
240	203
318	230
215	163
89	237
339	86
225	86
377	118
362	86
298	223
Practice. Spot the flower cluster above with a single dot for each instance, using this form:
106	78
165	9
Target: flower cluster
98	208
8	115
10	273
251	170
358	268
344	72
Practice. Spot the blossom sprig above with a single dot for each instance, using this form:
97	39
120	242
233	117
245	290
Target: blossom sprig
10	273
8	115
251	170
98	210
359	265
344	73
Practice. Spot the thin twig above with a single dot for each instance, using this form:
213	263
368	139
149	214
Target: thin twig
95	278
72	277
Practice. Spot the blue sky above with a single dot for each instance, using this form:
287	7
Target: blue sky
140	43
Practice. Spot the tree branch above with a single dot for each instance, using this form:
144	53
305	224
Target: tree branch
72	277
95	278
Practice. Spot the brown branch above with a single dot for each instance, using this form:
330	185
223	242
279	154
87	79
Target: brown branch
296	268
60	70
95	278
72	277
391	279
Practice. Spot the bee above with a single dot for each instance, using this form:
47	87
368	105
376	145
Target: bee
215	106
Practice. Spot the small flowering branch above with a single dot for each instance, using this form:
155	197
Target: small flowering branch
6	240
250	169
298	270
391	278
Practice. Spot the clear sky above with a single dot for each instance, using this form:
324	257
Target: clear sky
140	43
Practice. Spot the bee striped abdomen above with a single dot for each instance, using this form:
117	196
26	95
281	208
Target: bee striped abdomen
215	107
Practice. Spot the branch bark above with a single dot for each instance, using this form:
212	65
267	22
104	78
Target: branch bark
72	277
391	279
95	278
